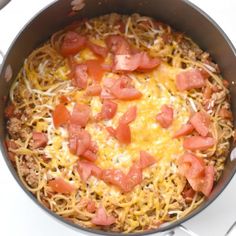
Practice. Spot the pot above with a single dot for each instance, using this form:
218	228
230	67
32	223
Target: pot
180	14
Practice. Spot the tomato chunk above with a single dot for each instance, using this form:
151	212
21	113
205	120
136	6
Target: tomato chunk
80	115
134	177
86	169
123	133
95	69
123	90
201	122
109	109
225	114
165	117
91	206
129	116
59	185
198	143
146	159
111	131
72	43
96	49
184	130
189	79
60	115
40	139
94	90
89	155
80	79
118	45
102	218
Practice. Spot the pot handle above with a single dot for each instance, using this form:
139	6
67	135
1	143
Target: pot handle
3	3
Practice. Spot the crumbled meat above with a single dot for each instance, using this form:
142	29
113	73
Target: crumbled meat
28	170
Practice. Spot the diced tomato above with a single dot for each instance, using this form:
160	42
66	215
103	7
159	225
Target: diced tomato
132	62
108	82
165	117
184	130
146	159
102	218
106	94
89	155
115	177
59	185
94	90
109	109
225	114
118	45
40	139
72	43
64	99
129	115
60	115
96	49
123	133
80	79
91	206
111	131
190	165
204	73
79	142
189	79
9	111
134	177
80	115
188	193
86	169
95	69
198	143
207	92
122	89
201	122
93	146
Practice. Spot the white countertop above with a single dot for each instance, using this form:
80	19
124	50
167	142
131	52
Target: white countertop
20	216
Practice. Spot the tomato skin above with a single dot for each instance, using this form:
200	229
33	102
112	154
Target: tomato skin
72	43
123	133
59	185
80	78
91	206
40	139
146	159
89	155
134	177
201	122
95	69
80	115
184	130
111	131
109	109
94	90
87	168
165	117
102	218
198	143
97	49
60	115
129	116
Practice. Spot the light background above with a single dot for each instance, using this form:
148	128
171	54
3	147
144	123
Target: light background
20	216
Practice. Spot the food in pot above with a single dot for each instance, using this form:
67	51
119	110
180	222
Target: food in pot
119	123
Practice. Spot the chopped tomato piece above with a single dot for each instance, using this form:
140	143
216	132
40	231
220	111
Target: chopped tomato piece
122	89
86	169
60	115
109	109
9	111
111	131
93	146
118	45
64	99
80	78
134	176
129	115
225	114
80	115
108	82
102	218
201	122
94	90
189	79
96	49
198	143
123	133
184	130
79	142
114	177
190	165
106	94
188	193
207	92
95	69
146	159
148	63
91	206
59	185
165	117
89	155
72	43
40	139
